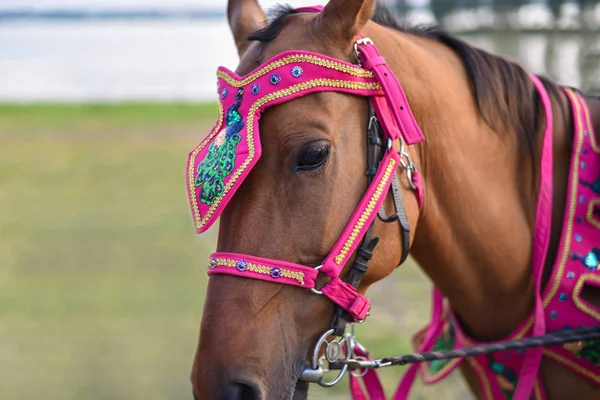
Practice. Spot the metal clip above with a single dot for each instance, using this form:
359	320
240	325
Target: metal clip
408	165
359	42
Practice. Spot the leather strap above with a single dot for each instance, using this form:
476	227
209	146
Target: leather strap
400	216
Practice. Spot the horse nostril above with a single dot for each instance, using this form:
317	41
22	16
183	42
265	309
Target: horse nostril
241	391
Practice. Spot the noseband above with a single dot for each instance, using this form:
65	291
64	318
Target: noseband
217	167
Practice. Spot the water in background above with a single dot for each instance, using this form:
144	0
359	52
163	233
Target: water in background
113	60
176	59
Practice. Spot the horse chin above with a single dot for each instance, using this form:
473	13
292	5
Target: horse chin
300	391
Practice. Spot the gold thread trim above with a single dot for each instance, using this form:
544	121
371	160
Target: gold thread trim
355	71
191	169
485	383
367	212
573	365
201	221
583	305
262	269
590	213
572	203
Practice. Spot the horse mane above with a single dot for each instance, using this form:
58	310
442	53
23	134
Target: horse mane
504	93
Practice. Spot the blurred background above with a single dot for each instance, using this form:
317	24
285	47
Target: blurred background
102	278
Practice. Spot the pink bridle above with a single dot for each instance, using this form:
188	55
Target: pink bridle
233	146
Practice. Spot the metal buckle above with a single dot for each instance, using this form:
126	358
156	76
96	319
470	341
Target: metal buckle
364	41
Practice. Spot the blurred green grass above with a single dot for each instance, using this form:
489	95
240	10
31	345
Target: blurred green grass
101	275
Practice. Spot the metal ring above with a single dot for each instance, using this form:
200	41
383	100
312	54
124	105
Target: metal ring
363	371
316	364
315	291
322	339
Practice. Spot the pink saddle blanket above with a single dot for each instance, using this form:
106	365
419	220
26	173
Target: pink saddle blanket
575	267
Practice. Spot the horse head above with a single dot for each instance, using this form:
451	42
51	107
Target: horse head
257	337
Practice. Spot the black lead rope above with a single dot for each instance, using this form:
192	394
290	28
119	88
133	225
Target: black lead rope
551	339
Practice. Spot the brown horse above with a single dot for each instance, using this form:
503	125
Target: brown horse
483	123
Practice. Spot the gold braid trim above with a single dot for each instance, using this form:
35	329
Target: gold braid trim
367	212
295	58
260	269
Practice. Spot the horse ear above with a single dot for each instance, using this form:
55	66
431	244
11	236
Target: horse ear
344	19
245	17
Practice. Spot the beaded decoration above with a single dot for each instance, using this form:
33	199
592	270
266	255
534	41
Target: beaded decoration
243	266
220	159
275	79
297	71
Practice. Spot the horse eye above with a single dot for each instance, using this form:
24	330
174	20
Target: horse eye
313	155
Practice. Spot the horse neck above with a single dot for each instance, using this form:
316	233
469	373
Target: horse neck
474	234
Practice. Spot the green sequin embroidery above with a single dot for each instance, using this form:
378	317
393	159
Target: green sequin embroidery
220	159
590	351
443	343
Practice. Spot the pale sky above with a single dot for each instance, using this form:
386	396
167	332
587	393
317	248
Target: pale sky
160	4
129	4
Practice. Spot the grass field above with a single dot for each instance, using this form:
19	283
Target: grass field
102	277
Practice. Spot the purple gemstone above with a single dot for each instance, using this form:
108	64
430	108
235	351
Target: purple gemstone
570	275
241	265
586	133
213	263
297	71
584	150
275	273
582	199
578	237
579	220
583	165
553	315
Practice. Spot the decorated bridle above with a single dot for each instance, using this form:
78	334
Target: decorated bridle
218	166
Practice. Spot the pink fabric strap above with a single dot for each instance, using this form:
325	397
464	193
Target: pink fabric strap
371	381
276	271
313	9
346	296
393	106
263	269
543	221
403	390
